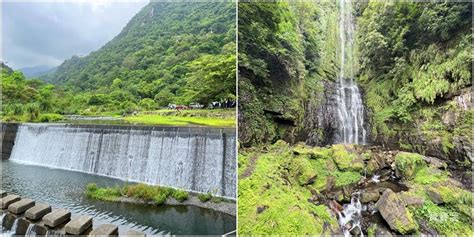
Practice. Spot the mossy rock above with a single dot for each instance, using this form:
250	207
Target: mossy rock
302	170
311	152
407	164
345	160
447	193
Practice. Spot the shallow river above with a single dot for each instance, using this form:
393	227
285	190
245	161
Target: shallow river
64	189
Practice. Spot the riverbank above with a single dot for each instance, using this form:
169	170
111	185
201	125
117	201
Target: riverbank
155	196
349	189
164	117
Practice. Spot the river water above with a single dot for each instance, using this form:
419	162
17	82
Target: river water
64	189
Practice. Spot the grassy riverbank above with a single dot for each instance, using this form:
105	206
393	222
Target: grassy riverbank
155	195
204	117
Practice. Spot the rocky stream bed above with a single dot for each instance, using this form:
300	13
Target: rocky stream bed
352	190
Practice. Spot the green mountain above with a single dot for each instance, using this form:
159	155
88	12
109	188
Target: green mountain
167	53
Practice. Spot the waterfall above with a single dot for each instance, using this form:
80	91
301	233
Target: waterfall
14	227
31	231
194	159
350	109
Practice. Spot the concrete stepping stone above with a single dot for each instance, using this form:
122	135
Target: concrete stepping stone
3	193
56	217
135	233
38	211
78	225
9	199
105	230
21	206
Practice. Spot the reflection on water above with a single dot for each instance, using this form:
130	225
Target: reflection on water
61	188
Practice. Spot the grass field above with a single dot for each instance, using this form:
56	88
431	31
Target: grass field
214	118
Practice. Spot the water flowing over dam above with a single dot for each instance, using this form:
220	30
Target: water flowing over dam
194	159
350	109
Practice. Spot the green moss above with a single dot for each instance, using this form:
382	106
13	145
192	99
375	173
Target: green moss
347	178
272	202
302	170
427	175
346	161
444	220
371	230
407	164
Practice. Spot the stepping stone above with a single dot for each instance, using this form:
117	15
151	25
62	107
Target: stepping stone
21	206
9	199
3	193
135	233
56	217
105	230
38	211
78	225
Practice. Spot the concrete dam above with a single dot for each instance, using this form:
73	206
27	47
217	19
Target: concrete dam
190	158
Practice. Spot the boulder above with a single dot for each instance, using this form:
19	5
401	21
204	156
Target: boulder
412	200
394	212
407	164
369	196
345	160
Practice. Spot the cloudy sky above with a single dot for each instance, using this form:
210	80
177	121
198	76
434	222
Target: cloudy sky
47	33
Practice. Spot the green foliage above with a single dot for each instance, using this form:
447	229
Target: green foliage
204	197
444	220
169	52
106	194
286	52
411	56
50	117
271	200
160	198
180	121
407	164
180	195
151	194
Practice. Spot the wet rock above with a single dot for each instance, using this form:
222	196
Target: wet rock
412	200
261	209
335	206
355	231
369	196
435	162
394	212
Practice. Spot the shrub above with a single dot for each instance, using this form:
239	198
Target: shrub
180	195
91	187
160	198
50	117
204	197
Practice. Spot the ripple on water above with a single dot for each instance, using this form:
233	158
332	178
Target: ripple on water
64	189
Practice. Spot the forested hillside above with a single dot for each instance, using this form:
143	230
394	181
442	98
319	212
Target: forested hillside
415	67
168	53
287	57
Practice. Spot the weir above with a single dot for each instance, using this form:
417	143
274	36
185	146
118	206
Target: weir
194	159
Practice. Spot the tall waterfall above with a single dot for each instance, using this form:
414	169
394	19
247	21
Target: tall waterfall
350	110
194	159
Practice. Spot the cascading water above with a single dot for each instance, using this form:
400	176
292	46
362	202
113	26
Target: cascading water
31	231
195	159
350	217
350	109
